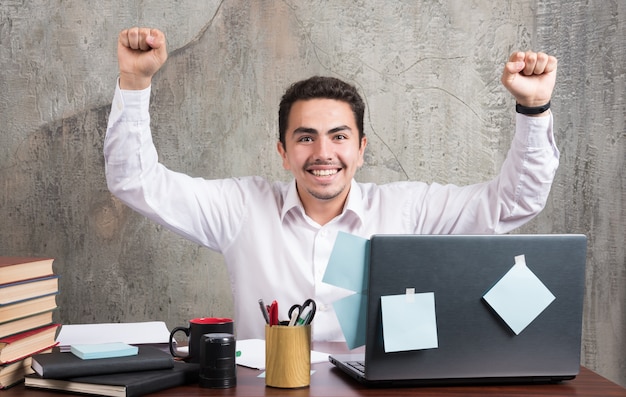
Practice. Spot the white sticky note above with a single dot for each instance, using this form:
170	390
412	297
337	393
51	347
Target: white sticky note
519	297
409	322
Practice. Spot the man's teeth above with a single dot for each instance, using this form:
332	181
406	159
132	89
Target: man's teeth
324	172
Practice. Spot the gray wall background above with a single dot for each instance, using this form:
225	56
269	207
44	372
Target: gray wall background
429	71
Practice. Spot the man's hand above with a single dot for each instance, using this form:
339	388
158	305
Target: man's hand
140	53
530	77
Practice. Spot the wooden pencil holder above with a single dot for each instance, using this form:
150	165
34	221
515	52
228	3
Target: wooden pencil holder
287	356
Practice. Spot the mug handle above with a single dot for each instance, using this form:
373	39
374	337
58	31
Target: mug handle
172	350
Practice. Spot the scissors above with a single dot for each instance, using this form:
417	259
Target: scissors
306	312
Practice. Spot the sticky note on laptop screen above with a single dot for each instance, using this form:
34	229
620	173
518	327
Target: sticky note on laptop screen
409	321
519	297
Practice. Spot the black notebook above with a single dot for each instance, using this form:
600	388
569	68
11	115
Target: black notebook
63	365
128	384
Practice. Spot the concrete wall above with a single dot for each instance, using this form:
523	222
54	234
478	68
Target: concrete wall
429	72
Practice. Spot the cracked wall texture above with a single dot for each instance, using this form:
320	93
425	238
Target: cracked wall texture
429	72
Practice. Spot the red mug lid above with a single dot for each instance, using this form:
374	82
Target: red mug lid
211	320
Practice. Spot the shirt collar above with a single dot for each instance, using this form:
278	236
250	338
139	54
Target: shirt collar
354	203
291	200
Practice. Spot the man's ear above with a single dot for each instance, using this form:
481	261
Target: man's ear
283	153
362	151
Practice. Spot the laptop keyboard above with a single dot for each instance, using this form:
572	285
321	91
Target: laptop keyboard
359	366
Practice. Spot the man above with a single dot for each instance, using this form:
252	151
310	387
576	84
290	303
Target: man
276	237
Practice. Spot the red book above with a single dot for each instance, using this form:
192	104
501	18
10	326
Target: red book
24	344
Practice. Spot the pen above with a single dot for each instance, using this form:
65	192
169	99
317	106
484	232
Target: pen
274	313
304	316
264	311
294	318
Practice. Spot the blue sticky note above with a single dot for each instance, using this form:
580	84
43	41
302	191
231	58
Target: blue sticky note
351	312
347	265
519	297
103	350
409	322
348	268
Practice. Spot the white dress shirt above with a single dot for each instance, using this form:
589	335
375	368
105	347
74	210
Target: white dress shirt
273	250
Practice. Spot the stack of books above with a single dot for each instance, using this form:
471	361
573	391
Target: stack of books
28	289
146	371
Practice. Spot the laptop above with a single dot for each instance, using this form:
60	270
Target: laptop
475	345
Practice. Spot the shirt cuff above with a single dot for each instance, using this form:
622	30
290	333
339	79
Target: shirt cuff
131	105
535	132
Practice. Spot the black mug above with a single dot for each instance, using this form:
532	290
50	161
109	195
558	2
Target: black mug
198	327
218	368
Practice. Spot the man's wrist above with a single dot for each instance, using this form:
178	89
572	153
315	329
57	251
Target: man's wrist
133	82
532	110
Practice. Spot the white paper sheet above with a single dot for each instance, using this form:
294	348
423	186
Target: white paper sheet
150	332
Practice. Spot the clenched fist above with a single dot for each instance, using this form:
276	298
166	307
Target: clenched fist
140	52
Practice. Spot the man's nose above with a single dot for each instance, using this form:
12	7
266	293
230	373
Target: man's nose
323	149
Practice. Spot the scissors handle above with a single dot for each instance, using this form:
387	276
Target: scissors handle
294	307
306	312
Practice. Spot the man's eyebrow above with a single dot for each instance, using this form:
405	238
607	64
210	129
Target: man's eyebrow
305	130
339	129
309	130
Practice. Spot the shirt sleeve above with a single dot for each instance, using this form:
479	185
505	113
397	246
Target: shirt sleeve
192	207
516	195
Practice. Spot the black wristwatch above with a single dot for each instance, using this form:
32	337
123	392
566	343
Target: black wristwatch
531	110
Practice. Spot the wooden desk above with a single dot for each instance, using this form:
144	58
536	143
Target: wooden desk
328	381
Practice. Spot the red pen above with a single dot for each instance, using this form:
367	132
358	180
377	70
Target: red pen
274	313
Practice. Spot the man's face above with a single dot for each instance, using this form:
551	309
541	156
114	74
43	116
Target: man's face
322	149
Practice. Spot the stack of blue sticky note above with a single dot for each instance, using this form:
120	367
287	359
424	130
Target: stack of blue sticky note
103	350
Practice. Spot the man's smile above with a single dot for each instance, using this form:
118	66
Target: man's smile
325	172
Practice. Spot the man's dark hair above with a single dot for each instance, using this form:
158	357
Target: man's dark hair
320	87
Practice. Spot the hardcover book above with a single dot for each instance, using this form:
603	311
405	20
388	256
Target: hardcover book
27	308
28	289
24	344
67	365
25	324
125	384
16	268
14	373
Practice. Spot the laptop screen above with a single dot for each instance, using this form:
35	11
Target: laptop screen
474	339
